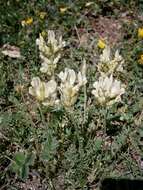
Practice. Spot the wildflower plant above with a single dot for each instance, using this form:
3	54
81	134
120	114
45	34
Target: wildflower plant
82	124
50	52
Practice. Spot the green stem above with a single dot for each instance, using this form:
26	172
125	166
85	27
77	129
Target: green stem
104	119
42	116
85	100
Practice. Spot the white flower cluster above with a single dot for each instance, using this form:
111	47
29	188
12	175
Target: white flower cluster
107	90
71	83
50	52
70	86
44	92
107	65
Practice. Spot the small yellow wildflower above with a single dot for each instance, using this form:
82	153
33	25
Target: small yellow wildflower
140	32
101	44
141	59
63	9
27	21
42	15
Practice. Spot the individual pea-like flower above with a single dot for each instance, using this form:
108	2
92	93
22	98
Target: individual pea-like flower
27	21
141	59
63	9
49	65
89	3
50	52
70	86
52	45
56	45
107	65
101	44
42	15
140	32
46	93
108	90
106	55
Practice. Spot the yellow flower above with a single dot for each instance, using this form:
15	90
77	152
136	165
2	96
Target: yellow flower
63	9
27	21
101	44
140	32
42	15
141	59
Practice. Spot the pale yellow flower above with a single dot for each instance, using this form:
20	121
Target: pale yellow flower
52	46
46	93
89	3
42	15
50	52
49	65
106	55
108	64
43	33
63	9
70	86
140	32
101	44
56	44
108	90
